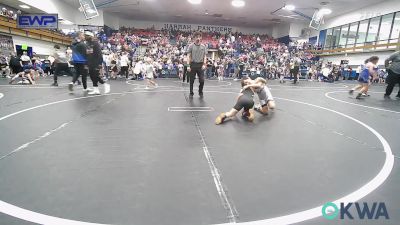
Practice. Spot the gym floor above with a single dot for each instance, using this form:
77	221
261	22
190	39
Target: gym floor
150	157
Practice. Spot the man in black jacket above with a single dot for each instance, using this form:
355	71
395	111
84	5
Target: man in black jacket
15	63
95	60
79	59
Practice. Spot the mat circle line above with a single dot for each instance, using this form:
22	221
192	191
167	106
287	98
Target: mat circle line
356	104
312	213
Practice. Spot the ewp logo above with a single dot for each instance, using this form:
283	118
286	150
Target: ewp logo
330	211
36	21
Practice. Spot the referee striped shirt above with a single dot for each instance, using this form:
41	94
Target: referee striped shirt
197	53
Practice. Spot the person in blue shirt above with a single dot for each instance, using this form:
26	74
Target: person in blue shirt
79	58
370	69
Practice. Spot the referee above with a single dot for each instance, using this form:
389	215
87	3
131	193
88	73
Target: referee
197	61
394	73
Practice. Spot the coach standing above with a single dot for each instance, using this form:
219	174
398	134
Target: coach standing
79	57
394	73
197	60
94	62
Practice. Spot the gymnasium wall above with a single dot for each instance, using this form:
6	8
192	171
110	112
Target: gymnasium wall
280	30
159	25
381	8
296	28
378	9
111	20
359	58
38	46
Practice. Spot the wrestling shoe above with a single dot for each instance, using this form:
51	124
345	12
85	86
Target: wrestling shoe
251	116
107	88
220	119
95	91
71	86
259	110
245	114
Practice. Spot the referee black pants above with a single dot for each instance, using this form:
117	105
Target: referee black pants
94	73
295	72
185	74
196	69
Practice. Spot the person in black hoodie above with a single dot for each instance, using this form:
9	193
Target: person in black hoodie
95	60
15	63
79	59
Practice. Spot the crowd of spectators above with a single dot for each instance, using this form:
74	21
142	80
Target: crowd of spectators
231	55
9	13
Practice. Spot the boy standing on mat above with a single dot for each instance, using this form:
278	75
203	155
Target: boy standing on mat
197	60
148	69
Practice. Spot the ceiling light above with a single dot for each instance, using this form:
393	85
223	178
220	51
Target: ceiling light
325	11
196	2
24	6
238	3
289	7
